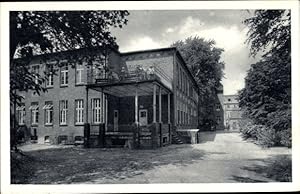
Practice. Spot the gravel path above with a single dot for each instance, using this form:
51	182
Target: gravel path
227	159
219	158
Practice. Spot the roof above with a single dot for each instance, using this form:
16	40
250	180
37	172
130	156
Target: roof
66	52
149	50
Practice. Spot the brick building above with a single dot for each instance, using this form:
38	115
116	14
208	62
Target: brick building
137	97
232	112
219	109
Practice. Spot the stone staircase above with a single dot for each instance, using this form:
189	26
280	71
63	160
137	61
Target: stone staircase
176	139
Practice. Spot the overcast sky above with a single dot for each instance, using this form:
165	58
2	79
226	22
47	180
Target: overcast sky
156	29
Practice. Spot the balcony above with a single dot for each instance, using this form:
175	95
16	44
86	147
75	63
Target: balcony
139	74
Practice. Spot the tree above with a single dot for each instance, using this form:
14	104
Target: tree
204	60
40	32
269	31
266	98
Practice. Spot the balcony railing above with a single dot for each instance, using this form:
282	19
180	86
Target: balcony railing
137	75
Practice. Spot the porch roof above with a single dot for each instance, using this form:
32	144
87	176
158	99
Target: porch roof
144	88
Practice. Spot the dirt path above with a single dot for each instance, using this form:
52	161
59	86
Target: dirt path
227	159
219	158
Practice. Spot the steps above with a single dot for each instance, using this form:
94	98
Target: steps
176	139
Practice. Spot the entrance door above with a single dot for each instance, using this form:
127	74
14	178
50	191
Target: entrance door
143	117
116	120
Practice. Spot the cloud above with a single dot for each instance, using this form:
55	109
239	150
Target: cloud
190	25
227	37
169	30
141	43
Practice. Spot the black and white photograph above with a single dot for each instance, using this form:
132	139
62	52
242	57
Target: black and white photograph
105	95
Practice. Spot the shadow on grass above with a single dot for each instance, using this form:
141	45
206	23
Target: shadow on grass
75	165
277	168
246	179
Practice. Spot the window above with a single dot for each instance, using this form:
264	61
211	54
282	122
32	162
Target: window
143	114
79	111
49	82
229	99
64	75
21	114
79	74
96	108
36	70
63	111
218	107
48	113
49	76
34	113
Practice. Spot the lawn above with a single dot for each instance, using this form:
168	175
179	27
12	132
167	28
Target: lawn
77	165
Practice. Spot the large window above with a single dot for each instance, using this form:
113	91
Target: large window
79	111
79	74
63	112
64	75
34	108
21	114
48	113
96	108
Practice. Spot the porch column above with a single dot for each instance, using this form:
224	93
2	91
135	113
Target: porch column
102	107
154	103
169	107
87	105
159	108
136	106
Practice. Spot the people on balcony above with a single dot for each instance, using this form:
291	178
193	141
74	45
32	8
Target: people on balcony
150	72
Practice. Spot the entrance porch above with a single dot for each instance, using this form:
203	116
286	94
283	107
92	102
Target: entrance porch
137	115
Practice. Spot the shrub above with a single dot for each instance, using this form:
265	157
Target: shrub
267	137
249	130
286	137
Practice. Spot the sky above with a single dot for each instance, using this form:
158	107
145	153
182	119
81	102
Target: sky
150	29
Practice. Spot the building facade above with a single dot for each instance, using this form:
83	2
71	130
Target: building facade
219	109
232	112
134	98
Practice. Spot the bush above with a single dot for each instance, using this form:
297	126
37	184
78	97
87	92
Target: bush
266	136
286	137
249	130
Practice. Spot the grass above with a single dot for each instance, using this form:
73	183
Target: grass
77	165
280	169
277	168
